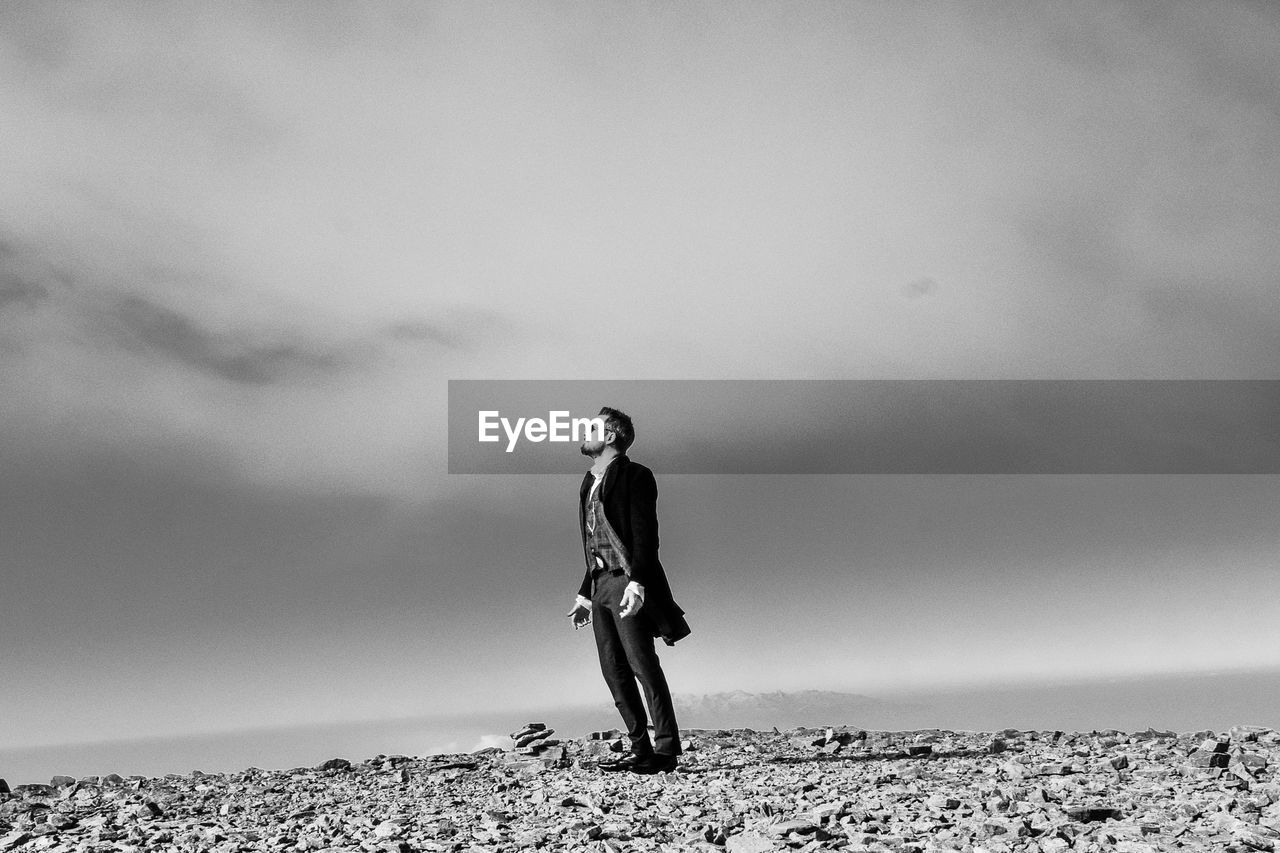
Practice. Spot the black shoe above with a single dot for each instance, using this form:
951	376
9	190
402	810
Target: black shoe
656	763
626	762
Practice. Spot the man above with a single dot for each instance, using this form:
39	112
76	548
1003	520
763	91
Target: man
625	595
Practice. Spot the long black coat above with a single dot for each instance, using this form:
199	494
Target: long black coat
629	495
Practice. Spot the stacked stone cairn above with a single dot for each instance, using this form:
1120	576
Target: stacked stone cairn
534	746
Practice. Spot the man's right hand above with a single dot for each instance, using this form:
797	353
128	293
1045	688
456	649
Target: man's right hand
581	616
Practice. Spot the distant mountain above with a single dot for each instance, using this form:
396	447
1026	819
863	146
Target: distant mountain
740	709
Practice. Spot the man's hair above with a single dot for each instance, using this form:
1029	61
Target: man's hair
623	430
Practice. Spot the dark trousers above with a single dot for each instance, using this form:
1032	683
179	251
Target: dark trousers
627	655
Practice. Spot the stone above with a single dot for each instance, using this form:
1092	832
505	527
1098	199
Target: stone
749	842
13	839
62	781
35	790
1204	758
1247	734
335	764
551	757
827	811
741	790
1055	769
528	729
148	810
600	748
1240	771
785	828
529	737
1092	813
611	734
4	787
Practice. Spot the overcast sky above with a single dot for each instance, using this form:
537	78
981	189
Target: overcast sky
244	247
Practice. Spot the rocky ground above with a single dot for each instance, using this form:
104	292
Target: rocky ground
738	791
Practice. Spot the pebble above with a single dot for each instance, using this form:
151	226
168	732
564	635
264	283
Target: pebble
737	791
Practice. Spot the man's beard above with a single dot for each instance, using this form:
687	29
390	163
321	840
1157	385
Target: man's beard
587	451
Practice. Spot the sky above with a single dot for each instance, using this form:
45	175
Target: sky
244	248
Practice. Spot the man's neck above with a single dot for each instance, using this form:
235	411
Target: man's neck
602	461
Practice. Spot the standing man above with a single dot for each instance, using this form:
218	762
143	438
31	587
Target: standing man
625	595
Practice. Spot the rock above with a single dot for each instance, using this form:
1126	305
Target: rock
4	787
1240	771
742	789
997	746
601	748
749	842
1203	758
35	790
530	737
1055	769
785	828
611	734
148	810
942	802
1247	734
62	781
1089	814
335	764
13	839
827	811
528	729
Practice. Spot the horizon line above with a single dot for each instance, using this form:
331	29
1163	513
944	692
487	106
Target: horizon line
986	684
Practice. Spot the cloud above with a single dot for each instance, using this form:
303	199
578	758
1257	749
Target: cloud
259	347
236	357
14	289
458	328
132	320
490	741
18	285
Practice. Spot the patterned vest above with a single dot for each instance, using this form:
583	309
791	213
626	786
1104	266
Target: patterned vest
603	546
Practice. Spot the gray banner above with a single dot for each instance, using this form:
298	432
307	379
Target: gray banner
877	426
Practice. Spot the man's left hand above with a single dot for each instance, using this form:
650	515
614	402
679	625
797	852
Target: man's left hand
632	600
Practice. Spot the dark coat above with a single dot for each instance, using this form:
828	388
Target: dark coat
629	495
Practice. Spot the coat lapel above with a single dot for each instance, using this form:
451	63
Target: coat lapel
611	475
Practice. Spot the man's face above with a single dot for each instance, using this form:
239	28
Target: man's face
595	448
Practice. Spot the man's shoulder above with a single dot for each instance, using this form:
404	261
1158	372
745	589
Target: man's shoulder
632	468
